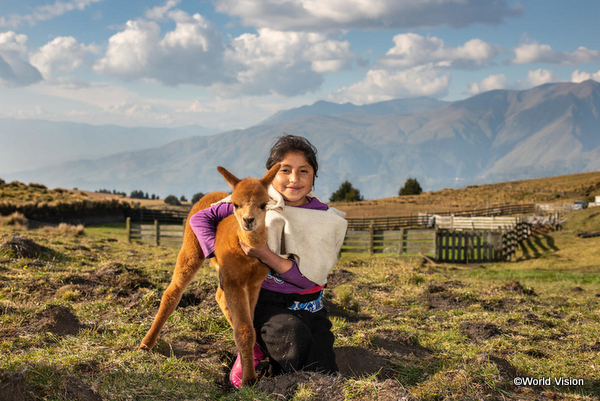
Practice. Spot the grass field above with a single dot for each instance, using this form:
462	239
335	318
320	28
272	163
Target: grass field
72	316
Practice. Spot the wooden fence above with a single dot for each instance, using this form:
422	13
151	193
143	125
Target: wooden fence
423	219
480	246
155	234
475	223
443	245
390	241
162	216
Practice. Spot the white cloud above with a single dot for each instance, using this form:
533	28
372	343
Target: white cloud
322	15
63	54
191	53
541	53
578	76
44	13
541	76
380	85
490	83
14	70
287	63
159	12
412	49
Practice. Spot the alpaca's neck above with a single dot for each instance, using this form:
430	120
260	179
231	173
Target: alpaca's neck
254	239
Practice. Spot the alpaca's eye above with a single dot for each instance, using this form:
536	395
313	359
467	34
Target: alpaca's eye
235	206
263	206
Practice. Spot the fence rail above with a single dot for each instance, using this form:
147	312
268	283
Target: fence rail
155	234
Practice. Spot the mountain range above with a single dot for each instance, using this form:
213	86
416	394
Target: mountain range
500	135
31	144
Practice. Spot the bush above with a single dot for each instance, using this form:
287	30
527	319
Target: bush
411	187
346	193
64	228
16	219
172	200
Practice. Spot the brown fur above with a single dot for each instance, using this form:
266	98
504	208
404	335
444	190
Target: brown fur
240	275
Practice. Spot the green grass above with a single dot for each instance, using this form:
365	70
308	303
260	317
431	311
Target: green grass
413	325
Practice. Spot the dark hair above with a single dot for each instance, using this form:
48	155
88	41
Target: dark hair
292	143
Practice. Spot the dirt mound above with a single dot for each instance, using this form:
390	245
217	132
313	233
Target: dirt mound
506	370
195	297
78	390
126	279
395	342
23	247
359	362
338	277
13	387
447	300
284	387
515	286
479	330
57	319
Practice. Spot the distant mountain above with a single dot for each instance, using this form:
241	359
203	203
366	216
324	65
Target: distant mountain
496	136
390	107
31	144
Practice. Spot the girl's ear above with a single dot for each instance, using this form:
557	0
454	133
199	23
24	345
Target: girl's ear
270	176
230	178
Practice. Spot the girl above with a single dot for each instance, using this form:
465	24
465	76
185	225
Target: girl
292	325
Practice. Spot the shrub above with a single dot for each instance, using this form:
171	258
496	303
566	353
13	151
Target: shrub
346	193
64	228
411	187
172	200
15	219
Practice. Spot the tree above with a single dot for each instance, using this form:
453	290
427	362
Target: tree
183	198
137	194
411	187
172	200
346	193
197	197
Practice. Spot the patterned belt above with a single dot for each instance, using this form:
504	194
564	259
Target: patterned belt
311	306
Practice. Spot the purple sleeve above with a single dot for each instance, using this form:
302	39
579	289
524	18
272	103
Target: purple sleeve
293	276
204	224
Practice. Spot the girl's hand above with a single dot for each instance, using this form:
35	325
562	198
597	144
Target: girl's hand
259	253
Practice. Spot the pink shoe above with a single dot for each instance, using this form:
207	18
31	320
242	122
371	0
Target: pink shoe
235	377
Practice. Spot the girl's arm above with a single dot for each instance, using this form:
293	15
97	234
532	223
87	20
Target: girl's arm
286	269
204	224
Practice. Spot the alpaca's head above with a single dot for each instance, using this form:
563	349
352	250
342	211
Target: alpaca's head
250	197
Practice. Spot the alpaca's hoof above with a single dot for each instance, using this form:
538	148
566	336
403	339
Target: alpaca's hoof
144	347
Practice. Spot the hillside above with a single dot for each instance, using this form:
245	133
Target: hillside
564	188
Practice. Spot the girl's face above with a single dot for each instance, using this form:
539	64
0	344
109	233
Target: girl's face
294	179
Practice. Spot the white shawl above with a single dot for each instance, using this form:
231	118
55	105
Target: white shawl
312	237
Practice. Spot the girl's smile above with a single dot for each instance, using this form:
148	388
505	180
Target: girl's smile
294	179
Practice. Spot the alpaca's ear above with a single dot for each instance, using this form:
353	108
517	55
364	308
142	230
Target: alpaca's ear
270	176
230	178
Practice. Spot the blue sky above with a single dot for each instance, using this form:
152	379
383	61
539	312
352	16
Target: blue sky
229	64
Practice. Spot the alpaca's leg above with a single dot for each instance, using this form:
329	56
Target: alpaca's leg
243	331
189	261
220	297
